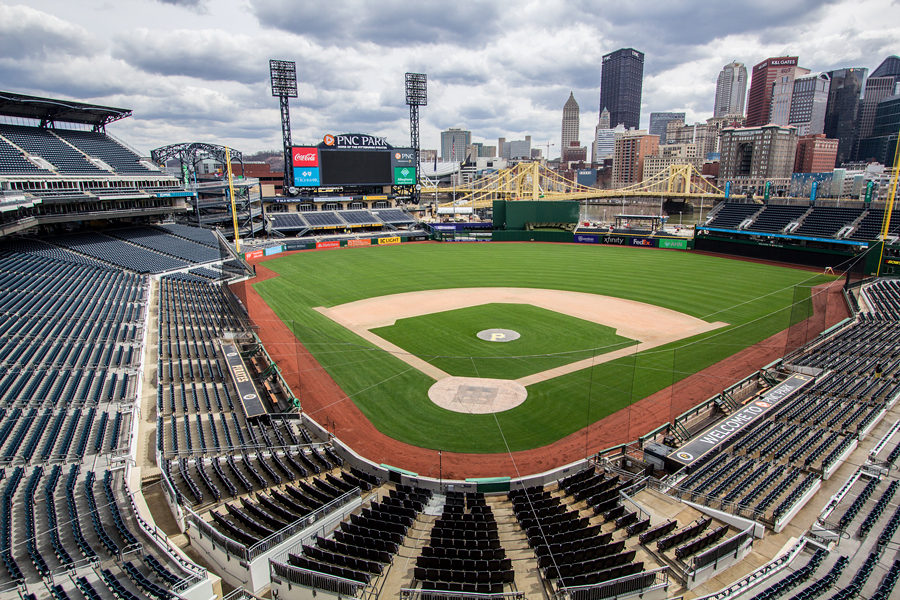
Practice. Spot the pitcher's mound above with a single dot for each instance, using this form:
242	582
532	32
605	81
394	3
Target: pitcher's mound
477	396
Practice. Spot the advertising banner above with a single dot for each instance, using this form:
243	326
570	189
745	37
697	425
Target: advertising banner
586	239
306	177
305	156
722	431
388	240
331	244
643	242
404	176
357	243
273	250
254	254
613	240
673	244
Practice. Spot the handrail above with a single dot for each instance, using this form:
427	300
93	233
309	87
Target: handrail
638	583
721	549
314	580
242	552
741	586
416	594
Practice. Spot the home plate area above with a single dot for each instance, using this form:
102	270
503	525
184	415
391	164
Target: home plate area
477	396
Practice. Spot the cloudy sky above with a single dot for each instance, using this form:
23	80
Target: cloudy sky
197	70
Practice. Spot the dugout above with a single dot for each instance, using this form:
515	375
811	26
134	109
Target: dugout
535	220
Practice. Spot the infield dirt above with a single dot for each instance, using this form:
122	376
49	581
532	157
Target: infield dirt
325	402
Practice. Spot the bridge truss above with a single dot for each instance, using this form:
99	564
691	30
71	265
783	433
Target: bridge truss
534	181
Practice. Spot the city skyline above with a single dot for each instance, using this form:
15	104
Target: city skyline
195	70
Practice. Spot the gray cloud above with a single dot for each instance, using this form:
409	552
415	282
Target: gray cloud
390	23
26	33
198	6
208	55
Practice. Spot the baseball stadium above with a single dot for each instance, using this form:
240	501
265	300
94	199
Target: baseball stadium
211	392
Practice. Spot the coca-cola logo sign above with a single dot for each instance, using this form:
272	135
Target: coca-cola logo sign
306	157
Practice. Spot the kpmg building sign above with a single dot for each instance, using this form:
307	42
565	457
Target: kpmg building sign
355	141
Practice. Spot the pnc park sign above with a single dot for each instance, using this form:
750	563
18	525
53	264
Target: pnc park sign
355	141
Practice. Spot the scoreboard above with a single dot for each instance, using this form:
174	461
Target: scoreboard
353	159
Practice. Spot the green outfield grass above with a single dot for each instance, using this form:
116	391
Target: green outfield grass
549	339
754	299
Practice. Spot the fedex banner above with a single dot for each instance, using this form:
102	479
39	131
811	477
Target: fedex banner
642	242
331	244
586	239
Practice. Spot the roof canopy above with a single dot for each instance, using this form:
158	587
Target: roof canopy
50	110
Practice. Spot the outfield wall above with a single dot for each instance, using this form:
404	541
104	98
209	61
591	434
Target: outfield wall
799	255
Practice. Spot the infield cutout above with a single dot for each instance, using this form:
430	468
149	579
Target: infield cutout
498	335
475	396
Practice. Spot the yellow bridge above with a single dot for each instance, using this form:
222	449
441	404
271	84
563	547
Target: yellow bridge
534	181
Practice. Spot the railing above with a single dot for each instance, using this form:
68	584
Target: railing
629	585
196	573
240	594
219	539
248	554
739	587
413	594
710	501
731	545
298	526
314	580
625	496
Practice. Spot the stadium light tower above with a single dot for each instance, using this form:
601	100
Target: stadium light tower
416	96
283	74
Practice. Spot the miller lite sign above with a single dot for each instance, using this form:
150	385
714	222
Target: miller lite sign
305	157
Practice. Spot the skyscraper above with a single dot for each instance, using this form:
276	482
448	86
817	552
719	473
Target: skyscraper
808	104
454	142
621	81
570	123
731	90
659	121
881	84
783	92
842	111
759	100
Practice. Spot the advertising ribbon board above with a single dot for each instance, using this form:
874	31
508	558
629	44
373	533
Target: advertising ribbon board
273	250
404	176
357	243
586	239
718	435
674	244
331	244
613	240
643	242
388	240
254	254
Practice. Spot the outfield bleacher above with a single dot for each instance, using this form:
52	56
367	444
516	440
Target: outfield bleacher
731	214
774	218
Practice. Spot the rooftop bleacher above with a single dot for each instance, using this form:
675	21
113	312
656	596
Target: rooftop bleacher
324	220
100	145
359	217
44	143
827	221
288	221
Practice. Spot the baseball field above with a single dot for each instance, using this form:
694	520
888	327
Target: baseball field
600	328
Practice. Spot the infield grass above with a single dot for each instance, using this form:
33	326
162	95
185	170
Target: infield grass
755	299
548	340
